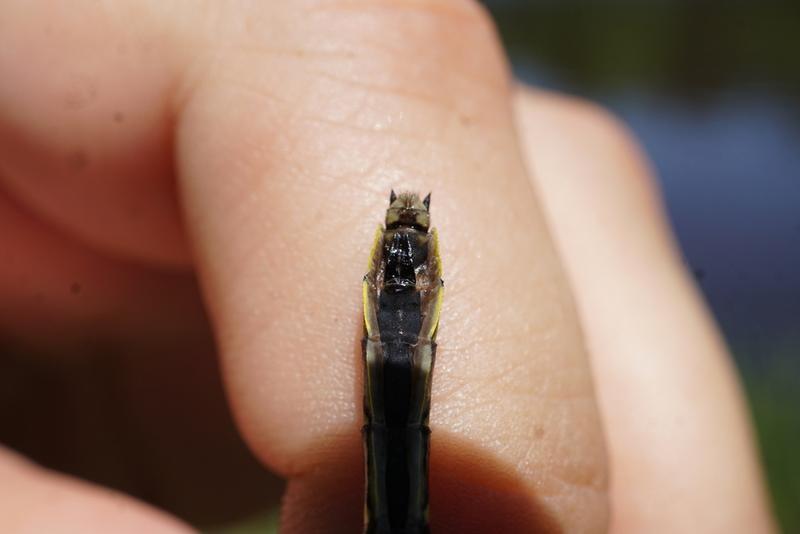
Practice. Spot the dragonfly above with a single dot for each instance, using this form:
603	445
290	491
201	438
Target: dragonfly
402	300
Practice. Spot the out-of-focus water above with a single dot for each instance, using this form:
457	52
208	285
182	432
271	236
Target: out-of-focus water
712	92
730	173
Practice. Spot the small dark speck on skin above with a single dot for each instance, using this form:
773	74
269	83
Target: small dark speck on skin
118	116
538	432
75	288
77	160
465	120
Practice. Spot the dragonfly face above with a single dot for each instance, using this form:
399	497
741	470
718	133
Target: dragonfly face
402	294
409	211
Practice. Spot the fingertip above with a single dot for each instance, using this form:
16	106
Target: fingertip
558	128
33	499
666	385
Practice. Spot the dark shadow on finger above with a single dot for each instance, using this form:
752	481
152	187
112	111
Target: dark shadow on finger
471	491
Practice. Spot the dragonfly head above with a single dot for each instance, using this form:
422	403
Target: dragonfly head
406	209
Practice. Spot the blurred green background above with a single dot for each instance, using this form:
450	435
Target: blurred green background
712	91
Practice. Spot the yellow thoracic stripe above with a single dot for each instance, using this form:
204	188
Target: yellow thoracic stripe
366	306
376	242
437	306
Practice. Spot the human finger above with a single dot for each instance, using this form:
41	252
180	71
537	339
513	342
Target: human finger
35	500
86	124
680	444
291	131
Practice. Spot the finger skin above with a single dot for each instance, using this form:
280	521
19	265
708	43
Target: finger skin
93	248
85	122
292	122
289	140
54	289
64	103
33	500
680	444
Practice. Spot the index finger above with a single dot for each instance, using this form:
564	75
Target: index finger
289	139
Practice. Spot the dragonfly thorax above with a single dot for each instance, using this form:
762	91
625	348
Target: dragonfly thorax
405	252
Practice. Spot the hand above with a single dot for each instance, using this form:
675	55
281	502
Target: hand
579	385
